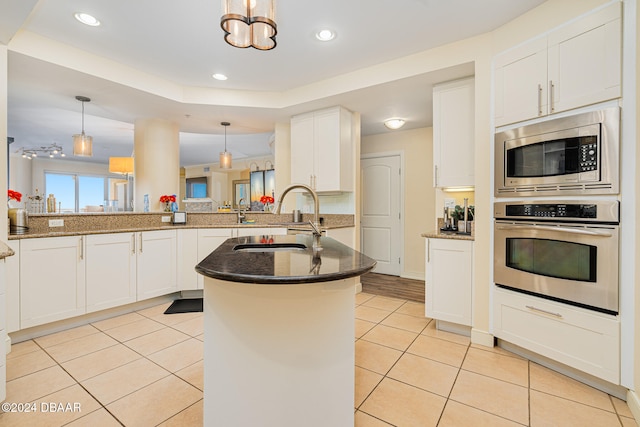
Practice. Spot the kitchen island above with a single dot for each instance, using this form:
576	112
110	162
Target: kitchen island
279	331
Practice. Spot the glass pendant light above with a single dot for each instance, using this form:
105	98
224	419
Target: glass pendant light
225	156
82	144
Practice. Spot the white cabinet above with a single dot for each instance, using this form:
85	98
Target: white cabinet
574	65
110	270
583	339
156	263
322	150
453	133
12	291
3	332
449	280
52	279
208	240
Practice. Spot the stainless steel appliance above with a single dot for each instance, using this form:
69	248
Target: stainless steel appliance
574	155
18	221
561	250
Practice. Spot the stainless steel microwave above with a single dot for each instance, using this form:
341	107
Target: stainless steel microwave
573	155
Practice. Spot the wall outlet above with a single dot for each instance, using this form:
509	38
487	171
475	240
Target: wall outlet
56	223
166	218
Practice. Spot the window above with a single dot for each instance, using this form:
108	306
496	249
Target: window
81	193
196	188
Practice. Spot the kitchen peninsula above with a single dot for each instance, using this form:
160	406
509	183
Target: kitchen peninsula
278	331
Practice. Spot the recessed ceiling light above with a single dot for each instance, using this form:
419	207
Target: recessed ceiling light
87	19
325	35
219	76
394	123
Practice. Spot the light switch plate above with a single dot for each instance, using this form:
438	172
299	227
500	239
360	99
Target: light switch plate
166	218
56	223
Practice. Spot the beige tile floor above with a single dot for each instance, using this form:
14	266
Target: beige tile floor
145	369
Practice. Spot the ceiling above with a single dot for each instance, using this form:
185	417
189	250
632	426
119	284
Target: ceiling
155	59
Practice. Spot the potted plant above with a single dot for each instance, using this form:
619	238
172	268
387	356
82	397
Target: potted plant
458	217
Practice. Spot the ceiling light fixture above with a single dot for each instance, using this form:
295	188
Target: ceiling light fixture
225	156
325	35
394	123
249	23
219	76
87	19
82	144
51	151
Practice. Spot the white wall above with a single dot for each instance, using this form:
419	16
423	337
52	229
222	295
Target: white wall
417	146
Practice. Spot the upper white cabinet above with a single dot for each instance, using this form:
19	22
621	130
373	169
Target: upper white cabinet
453	133
575	65
322	150
156	263
52	279
449	280
110	270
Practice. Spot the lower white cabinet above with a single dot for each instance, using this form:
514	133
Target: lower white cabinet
110	270
208	240
156	263
52	279
579	338
449	280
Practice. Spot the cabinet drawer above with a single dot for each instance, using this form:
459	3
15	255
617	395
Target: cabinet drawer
586	341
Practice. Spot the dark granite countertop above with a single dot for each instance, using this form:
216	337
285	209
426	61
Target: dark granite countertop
336	261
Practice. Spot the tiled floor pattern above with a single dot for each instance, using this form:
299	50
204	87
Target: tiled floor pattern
145	369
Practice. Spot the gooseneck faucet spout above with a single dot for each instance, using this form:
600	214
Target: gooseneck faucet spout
316	212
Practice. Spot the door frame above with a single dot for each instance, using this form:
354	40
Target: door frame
393	153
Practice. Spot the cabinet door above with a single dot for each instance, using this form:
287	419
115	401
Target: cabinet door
327	150
521	83
110	270
449	279
302	149
156	263
585	61
208	240
52	279
13	287
187	258
453	133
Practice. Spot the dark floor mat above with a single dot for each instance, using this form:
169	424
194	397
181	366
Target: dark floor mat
189	305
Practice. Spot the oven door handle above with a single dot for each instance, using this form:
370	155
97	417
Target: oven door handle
549	228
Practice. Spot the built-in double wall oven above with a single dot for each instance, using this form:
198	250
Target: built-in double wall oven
561	250
563	247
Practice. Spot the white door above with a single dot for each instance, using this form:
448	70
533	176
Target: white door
381	234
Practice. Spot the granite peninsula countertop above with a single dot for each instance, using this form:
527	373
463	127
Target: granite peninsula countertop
293	266
5	251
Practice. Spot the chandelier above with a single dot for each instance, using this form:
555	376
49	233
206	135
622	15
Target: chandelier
225	156
50	151
249	23
82	144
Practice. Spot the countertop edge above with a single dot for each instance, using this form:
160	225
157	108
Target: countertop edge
452	236
166	227
5	251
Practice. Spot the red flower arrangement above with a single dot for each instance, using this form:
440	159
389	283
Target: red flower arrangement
266	199
168	199
15	195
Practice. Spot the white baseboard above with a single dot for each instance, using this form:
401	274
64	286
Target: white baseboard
7	344
412	275
633	401
358	287
482	338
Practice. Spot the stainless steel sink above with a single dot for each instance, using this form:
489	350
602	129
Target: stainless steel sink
269	247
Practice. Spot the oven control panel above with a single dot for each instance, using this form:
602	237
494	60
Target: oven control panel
597	211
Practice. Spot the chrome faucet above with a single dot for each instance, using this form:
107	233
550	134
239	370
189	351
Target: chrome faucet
315	225
241	215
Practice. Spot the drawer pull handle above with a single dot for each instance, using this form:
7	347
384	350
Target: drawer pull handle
530	307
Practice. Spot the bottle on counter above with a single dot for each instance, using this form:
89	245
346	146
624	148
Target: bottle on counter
51	204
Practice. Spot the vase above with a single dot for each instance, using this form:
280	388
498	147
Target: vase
267	207
167	206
